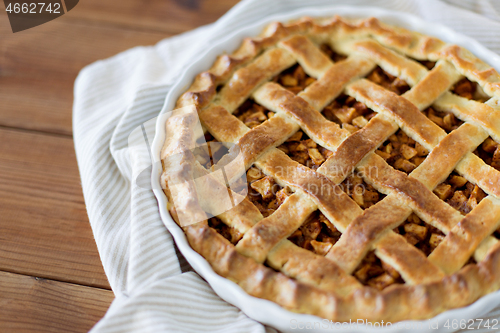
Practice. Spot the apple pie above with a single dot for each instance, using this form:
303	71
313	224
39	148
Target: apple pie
371	156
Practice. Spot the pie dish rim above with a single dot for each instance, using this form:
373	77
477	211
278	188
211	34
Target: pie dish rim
262	310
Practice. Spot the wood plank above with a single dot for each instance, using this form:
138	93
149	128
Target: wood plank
39	67
44	228
171	16
62	47
37	103
31	304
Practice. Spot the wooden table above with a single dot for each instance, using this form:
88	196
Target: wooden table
51	277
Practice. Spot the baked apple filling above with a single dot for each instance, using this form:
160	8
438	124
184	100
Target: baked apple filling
375	273
362	193
294	79
348	113
445	120
210	153
489	152
470	90
305	151
428	64
388	81
460	193
316	234
264	192
326	49
252	114
229	233
420	234
402	152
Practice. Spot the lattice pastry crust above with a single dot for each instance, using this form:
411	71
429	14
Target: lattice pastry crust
262	256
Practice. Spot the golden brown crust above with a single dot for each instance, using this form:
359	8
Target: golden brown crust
272	133
412	264
472	111
270	231
308	282
412	192
353	149
393	304
220	122
427	90
312	269
361	234
178	159
466	236
393	63
246	79
332	82
331	200
447	154
402	111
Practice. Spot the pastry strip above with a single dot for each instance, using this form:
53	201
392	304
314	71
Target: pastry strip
400	302
309	56
391	62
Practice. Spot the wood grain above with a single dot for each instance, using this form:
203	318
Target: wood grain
38	68
44	228
31	304
42	63
40	103
173	17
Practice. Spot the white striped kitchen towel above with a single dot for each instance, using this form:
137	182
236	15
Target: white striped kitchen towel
156	291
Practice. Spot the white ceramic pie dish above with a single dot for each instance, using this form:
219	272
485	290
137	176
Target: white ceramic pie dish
262	310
